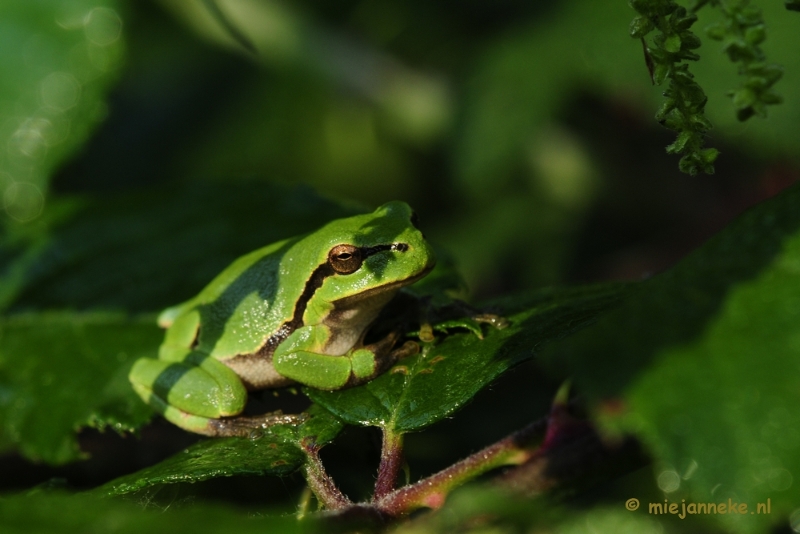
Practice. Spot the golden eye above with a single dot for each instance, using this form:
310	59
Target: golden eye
345	259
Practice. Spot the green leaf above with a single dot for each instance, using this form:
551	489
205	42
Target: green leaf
744	98
443	284
109	255
709	155
755	35
716	31
60	512
57	62
660	73
423	389
640	26
702	362
673	43
275	451
61	371
680	143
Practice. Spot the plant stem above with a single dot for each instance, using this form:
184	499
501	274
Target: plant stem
432	491
391	464
320	482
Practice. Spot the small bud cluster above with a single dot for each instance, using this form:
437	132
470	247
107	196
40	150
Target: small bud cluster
683	107
741	32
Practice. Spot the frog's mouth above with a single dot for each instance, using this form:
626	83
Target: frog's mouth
386	288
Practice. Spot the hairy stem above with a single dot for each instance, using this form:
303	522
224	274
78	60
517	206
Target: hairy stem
432	491
320	482
391	464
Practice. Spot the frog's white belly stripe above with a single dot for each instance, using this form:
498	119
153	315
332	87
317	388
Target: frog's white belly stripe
257	372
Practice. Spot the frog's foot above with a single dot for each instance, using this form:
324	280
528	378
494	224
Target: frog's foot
251	426
409	348
466	317
223	426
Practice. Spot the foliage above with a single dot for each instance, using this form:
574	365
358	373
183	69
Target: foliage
682	110
742	31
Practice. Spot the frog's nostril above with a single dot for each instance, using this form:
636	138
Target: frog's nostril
400	247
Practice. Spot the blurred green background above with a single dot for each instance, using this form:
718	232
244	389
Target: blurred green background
522	132
139	138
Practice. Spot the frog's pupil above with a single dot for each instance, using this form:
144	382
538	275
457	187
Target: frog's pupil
344	256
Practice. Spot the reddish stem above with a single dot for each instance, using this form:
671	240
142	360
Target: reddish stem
432	491
391	464
320	482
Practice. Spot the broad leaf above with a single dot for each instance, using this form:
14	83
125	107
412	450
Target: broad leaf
422	390
151	249
273	452
60	371
59	512
702	364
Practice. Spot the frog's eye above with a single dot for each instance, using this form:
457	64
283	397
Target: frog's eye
345	259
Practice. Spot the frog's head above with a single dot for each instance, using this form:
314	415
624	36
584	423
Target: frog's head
373	253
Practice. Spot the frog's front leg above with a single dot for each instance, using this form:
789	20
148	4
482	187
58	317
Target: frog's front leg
301	357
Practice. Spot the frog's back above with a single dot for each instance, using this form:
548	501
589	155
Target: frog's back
240	308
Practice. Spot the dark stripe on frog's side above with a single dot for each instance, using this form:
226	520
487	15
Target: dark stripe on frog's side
259	363
314	282
262	358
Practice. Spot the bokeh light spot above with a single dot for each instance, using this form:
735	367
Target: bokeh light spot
23	201
668	481
102	26
29	139
60	91
794	520
780	479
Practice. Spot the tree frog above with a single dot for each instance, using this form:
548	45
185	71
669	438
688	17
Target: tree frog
292	312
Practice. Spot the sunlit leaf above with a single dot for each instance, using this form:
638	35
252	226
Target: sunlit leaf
60	371
422	390
702	364
272	452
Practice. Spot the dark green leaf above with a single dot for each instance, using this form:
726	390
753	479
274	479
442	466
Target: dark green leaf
443	284
108	255
275	451
702	364
660	73
60	371
424	389
690	41
46	513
